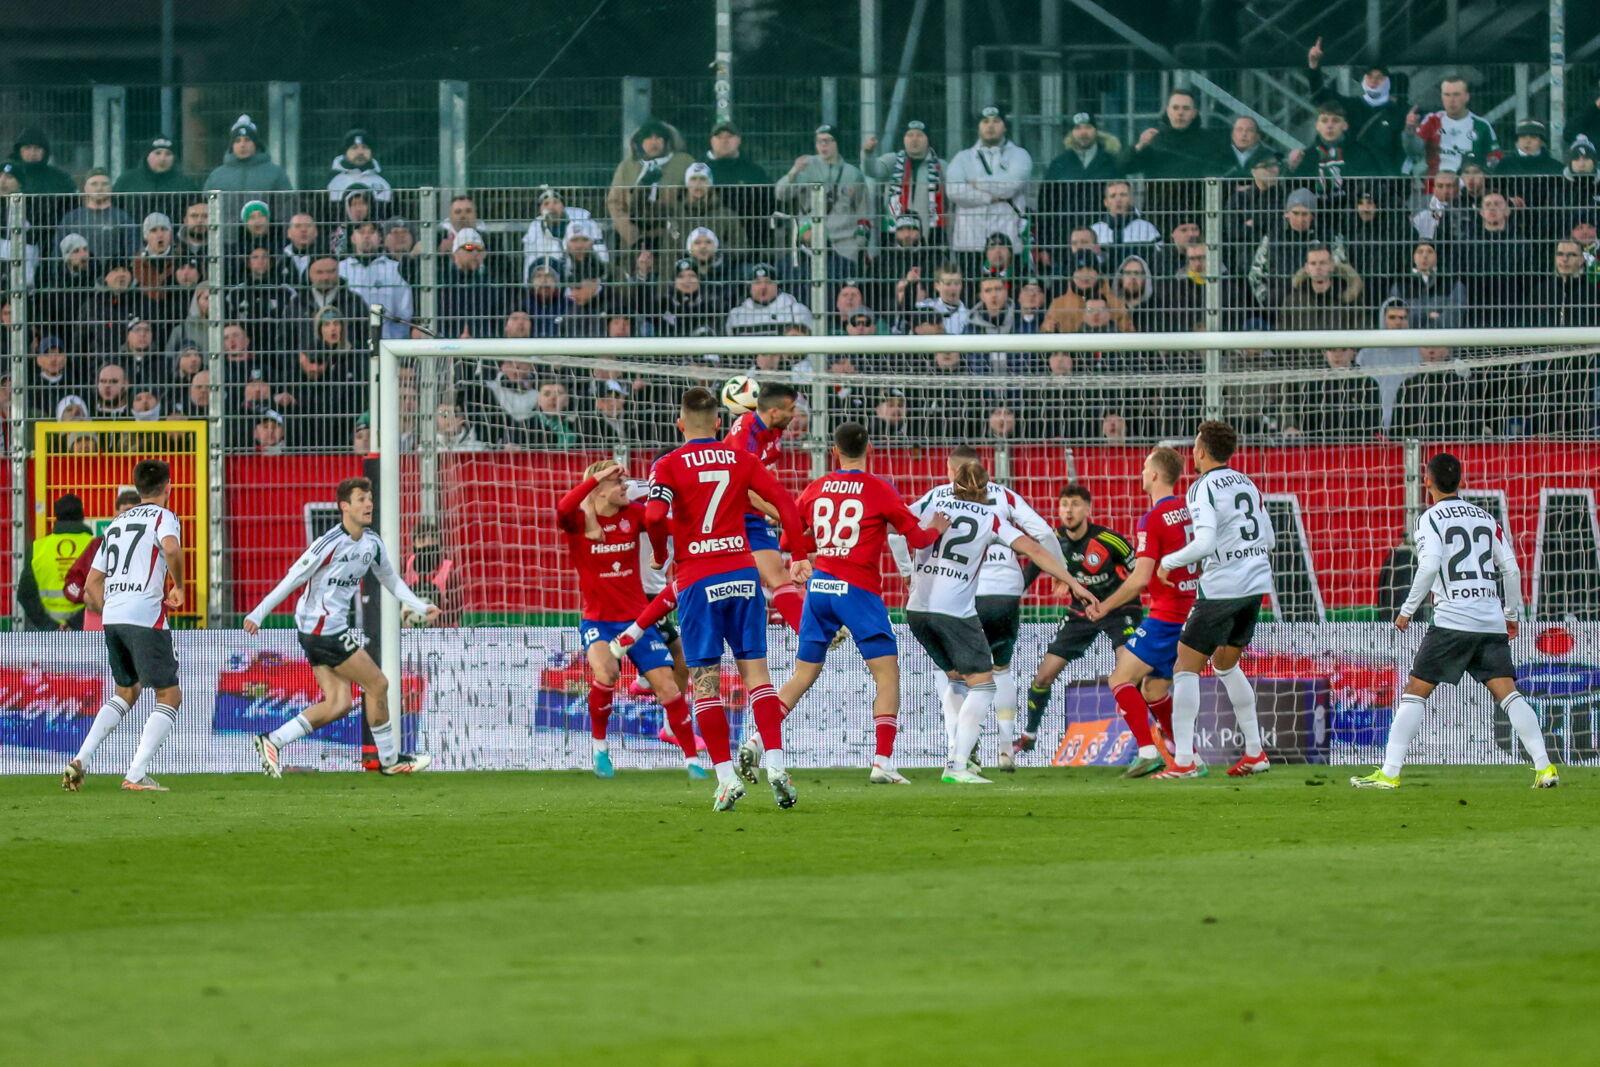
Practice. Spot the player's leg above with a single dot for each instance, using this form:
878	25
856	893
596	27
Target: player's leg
1001	617
655	661
126	689
975	710
951	689
819	622
1242	698
1190	661
1408	712
1526	724
707	628
800	682
1044	679
885	672
386	727
768	712
654	612
788	600
604	672
1158	696
1127	676
158	670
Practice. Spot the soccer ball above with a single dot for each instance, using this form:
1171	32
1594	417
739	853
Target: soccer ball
739	394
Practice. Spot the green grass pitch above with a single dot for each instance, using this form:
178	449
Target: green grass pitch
1057	917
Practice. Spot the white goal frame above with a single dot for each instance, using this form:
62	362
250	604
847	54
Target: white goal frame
387	435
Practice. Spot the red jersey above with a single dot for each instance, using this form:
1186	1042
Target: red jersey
849	514
608	569
752	435
1166	528
705	485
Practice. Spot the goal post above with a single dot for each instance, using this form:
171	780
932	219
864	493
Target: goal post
1323	478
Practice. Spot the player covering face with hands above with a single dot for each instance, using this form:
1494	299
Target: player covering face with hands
331	571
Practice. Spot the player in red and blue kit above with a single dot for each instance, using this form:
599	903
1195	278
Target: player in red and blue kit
849	513
698	496
760	433
603	528
1141	681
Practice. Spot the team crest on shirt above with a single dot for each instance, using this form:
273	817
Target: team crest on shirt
1093	558
625	526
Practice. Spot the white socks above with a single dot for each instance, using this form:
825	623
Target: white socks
952	695
1185	713
1243	698
110	714
291	731
600	744
156	729
1005	706
1526	724
1407	721
773	761
388	744
974	710
725	775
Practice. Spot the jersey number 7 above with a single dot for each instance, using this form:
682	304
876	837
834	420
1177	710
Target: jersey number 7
721	480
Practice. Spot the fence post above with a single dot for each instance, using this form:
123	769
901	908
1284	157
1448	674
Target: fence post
452	136
830	101
430	372
216	462
283	127
425	302
1052	105
818	238
17	276
1413	463
722	86
955	85
870	24
110	122
1213	357
1519	91
1558	78
636	108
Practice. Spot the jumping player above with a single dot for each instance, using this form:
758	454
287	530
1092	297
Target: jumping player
1141	680
760	433
850	513
603	531
1232	538
698	496
332	570
1477	599
1100	559
141	551
942	607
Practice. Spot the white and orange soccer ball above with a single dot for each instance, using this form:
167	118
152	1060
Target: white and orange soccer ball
739	394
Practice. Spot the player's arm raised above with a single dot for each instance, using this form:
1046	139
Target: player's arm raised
569	509
1430	557
390	579
293	580
1202	538
1027	546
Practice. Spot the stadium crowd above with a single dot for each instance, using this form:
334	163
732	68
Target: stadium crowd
1388	216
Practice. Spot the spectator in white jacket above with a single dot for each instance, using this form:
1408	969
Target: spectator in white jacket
376	278
988	187
767	309
547	235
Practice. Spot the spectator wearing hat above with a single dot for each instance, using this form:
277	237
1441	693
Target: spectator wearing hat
1281	251
246	168
904	267
158	180
50	376
988	185
1332	160
1073	181
580	257
111	233
913	180
543	302
1579	187
1527	173
1440	140
140	359
767	309
702	208
1377	116
1253	210
358	206
1377	239
30	164
1121	230
690	307
375	277
588	305
155	265
848	222
41	592
1177	147
64	281
745	187
356	166
546	237
269	434
1086	282
260	298
604	418
647	185
471	300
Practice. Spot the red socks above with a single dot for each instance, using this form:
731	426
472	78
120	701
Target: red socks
788	601
1135	712
1162	710
769	712
681	724
713	719
599	709
884	726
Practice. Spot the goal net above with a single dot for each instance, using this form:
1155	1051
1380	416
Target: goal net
1334	427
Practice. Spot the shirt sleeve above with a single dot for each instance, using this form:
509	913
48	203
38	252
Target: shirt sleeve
168	526
302	569
1024	518
1430	556
99	561
907	524
1505	559
390	579
1203	520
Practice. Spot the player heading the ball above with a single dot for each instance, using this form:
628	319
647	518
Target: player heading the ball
698	496
332	570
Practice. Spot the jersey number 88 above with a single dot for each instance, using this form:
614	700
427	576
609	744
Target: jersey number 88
843	534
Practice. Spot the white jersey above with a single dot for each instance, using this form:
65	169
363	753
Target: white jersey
332	570
1464	561
130	557
652	581
1231	537
1002	570
944	576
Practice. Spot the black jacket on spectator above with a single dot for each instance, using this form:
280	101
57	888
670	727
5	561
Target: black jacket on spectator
1433	301
1495	265
308	301
1438	407
472	302
57	296
747	190
1280	254
1331	169
100	321
1376	128
1570	300
1071	193
1337	409
679	315
263	307
1248	215
944	412
1379	247
42	177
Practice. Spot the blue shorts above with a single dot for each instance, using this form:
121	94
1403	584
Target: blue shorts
1155	643
832	603
758	533
647	653
724	609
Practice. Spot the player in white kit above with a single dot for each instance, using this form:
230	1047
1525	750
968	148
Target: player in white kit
127	584
1464	561
942	609
332	570
1232	541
